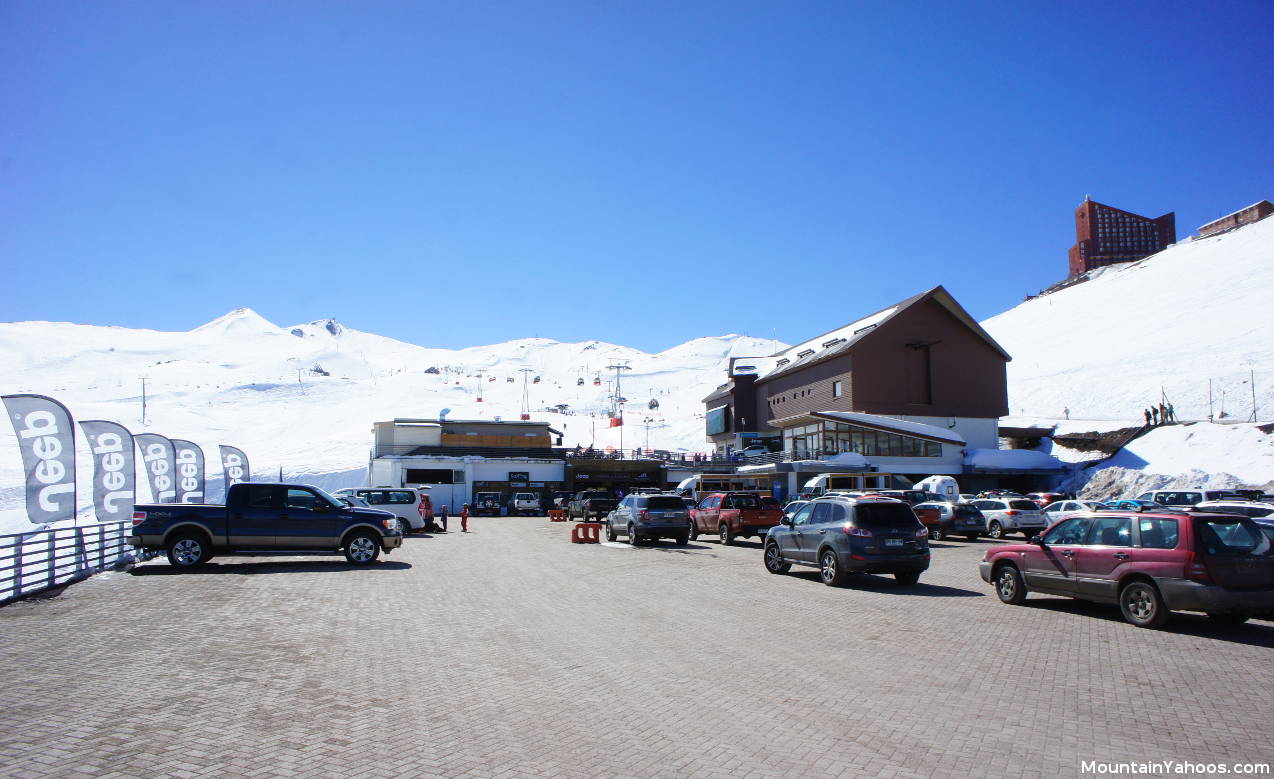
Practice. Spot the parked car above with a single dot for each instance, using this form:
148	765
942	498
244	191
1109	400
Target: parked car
930	517
847	535
648	518
755	450
352	501
1149	564
590	503
1042	499
561	498
1182	497
264	518
791	507
403	502
1064	508
527	503
1247	508
488	503
954	519
732	515
1130	504
1005	515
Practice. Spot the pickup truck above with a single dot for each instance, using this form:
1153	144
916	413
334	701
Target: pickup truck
732	515
527	503
591	503
264	518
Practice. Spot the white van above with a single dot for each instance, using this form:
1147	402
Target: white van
946	486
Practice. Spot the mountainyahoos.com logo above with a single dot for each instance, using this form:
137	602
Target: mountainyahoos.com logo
1174	768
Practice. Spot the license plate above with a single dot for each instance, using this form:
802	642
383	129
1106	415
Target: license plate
893	542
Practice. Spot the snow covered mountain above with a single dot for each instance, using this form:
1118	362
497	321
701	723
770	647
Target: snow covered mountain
1106	348
303	398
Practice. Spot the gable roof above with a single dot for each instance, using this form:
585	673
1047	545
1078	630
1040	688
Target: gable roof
845	339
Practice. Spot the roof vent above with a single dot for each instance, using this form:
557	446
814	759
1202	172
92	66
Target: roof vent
863	329
781	363
805	353
833	342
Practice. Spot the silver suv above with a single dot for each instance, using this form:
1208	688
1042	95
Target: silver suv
1006	515
843	535
649	518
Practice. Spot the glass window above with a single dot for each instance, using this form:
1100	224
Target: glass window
1158	533
301	500
933	449
836	389
402	497
374	498
660	503
885	515
822	514
802	515
1111	531
1231	538
1070	531
259	497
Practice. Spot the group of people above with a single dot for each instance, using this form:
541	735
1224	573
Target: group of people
1160	415
442	518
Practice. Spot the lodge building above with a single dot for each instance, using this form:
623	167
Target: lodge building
1105	235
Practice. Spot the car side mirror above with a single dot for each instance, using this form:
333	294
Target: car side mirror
786	521
1038	540
321	507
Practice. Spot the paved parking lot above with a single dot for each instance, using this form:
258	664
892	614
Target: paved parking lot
509	651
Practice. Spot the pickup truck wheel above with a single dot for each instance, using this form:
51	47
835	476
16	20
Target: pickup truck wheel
724	535
610	532
694	531
774	561
362	548
189	550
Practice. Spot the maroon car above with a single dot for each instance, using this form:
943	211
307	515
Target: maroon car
1148	563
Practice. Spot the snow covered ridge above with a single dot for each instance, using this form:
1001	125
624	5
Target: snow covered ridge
1107	348
305	403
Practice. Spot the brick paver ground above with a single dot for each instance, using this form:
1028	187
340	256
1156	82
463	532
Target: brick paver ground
511	652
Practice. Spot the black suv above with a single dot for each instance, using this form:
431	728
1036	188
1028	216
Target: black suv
843	535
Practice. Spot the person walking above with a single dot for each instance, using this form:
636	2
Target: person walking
1163	414
1172	414
464	518
1146	411
442	517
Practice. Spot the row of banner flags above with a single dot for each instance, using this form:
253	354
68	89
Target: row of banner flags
46	436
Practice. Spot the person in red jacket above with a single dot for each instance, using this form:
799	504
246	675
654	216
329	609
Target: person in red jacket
464	518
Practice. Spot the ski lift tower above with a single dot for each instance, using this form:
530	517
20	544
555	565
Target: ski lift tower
617	400
526	396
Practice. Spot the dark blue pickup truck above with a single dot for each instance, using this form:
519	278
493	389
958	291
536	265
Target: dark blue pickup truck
264	518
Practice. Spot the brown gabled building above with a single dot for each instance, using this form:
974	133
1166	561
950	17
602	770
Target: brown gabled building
924	361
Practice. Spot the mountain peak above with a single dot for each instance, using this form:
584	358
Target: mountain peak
241	321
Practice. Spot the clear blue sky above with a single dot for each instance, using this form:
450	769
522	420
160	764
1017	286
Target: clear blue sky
462	173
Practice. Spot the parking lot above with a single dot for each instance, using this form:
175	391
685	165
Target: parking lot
510	651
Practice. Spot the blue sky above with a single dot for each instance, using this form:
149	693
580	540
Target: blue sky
455	174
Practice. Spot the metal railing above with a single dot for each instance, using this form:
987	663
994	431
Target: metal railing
43	559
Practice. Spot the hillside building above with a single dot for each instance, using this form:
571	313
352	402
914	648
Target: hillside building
1253	213
1105	235
915	389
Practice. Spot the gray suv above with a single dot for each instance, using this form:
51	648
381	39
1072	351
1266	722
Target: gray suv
648	518
844	535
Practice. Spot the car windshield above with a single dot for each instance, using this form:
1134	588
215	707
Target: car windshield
884	515
1023	505
1233	538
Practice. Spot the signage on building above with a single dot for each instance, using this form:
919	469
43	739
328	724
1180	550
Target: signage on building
519	475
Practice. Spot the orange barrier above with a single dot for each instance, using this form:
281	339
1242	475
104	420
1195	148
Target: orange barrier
586	533
557	515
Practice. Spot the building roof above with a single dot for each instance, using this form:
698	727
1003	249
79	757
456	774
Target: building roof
842	340
1232	213
875	422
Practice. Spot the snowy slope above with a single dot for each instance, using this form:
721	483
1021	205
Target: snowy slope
243	381
1105	349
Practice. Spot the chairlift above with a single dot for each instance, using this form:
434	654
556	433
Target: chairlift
653	404
579	382
597	381
509	379
536	380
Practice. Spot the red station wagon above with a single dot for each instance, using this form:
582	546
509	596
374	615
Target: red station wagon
1149	564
